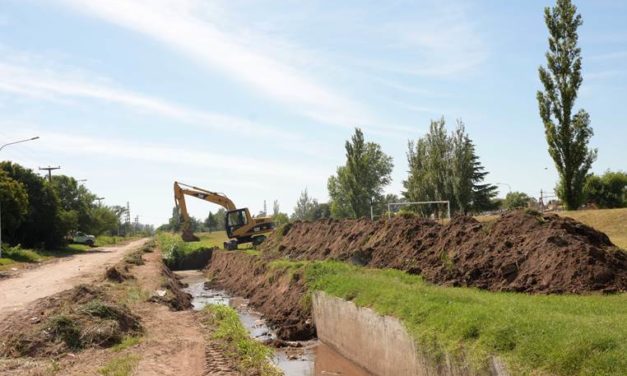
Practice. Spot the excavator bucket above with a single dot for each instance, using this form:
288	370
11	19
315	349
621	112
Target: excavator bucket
188	236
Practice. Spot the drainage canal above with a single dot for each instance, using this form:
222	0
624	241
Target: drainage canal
306	358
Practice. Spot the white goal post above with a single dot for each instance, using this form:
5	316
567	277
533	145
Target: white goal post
396	204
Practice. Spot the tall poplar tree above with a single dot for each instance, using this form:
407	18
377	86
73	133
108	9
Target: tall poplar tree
567	134
359	183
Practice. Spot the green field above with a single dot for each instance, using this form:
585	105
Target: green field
534	334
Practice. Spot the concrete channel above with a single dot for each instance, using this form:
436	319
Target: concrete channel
307	358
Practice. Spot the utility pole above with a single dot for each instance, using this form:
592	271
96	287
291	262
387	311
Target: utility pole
99	199
49	169
265	209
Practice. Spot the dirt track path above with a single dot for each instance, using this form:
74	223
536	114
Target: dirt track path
32	284
174	344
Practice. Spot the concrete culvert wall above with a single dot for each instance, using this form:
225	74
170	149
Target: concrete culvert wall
381	344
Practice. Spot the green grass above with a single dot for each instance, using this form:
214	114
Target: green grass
16	256
174	248
127	342
123	365
251	356
19	257
534	334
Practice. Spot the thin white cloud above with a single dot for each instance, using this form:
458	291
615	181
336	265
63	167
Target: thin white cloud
181	26
51	85
83	145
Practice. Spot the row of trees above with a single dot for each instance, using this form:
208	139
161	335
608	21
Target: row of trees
445	166
38	213
442	166
601	191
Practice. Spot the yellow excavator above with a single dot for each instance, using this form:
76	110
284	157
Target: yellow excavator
241	227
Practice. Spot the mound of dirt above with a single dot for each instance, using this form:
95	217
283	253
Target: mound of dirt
521	251
174	297
277	294
75	319
117	274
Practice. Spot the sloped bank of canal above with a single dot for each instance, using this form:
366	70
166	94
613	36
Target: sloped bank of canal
530	334
294	358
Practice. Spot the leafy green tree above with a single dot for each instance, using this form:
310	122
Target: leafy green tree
359	183
567	134
516	200
14	206
220	217
608	190
303	207
103	219
210	222
174	223
43	225
319	211
280	219
446	167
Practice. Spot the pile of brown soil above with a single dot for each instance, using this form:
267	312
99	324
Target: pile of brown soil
175	297
277	293
118	274
521	251
82	317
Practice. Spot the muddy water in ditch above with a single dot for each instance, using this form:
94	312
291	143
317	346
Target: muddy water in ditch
309	358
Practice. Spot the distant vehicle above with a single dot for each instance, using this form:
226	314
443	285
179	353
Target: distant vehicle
82	238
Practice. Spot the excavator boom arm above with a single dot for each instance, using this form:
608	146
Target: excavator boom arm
180	190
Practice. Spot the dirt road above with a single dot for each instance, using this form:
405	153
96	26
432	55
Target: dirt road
51	278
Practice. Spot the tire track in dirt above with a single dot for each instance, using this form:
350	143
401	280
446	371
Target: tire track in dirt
217	363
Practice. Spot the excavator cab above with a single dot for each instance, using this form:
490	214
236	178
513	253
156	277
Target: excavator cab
236	219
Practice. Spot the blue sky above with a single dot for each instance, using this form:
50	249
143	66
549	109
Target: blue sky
256	98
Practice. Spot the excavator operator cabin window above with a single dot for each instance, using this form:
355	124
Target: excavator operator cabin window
237	218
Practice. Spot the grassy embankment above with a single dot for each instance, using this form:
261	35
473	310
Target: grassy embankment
17	257
173	247
533	334
250	356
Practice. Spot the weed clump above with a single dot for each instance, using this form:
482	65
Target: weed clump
72	320
135	258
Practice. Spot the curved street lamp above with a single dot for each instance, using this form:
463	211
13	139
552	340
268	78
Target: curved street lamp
508	186
2	147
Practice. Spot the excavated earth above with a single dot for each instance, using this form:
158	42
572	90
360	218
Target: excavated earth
277	293
521	251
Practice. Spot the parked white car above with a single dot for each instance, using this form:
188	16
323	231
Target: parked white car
82	238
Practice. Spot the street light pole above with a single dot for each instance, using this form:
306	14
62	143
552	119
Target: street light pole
17	142
2	147
508	186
